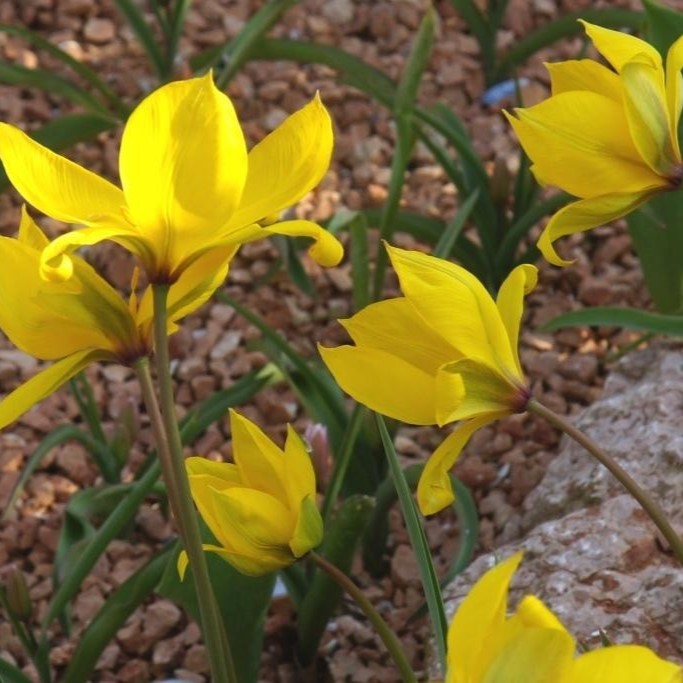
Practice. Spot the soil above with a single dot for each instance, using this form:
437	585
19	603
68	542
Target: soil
215	347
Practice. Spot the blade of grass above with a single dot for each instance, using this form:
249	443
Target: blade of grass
449	236
135	18
360	262
418	541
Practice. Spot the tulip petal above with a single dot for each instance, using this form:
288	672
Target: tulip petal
455	305
581	142
584	215
618	48
479	617
480	390
534	655
299	476
29	232
383	382
584	74
260	462
674	90
254	525
648	119
531	612
308	533
56	186
45	383
395	327
184	561
624	664
434	490
510	303
287	164
183	164
326	248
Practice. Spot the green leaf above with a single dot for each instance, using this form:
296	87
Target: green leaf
617	316
10	674
243	602
136	20
444	246
14	74
360	261
657	235
418	541
292	263
81	69
563	27
323	596
482	30
65	132
112	616
663	25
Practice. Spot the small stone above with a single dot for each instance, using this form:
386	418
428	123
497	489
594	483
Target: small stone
404	567
160	618
99	30
338	11
134	671
228	343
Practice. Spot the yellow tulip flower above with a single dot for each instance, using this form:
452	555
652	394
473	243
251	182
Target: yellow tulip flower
445	351
532	646
188	184
83	320
608	137
262	508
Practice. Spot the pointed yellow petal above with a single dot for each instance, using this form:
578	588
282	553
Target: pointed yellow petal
260	462
29	233
584	215
55	185
510	303
455	305
584	74
434	490
308	533
395	327
534	656
45	383
183	164
646	109
624	664
286	165
298	470
326	248
383	382
618	48
480	616
531	612
581	142
184	561
674	90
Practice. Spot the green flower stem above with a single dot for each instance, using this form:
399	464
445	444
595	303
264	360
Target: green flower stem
171	450
392	643
653	510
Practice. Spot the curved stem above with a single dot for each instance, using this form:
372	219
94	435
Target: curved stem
393	644
171	455
653	510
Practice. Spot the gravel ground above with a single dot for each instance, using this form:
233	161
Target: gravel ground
502	463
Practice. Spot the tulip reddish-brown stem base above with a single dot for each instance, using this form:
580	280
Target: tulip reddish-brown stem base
653	510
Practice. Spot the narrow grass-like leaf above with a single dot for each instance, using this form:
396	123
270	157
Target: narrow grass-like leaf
135	18
482	30
82	70
14	74
318	605
563	27
10	674
418	541
664	25
60	435
238	50
112	616
292	262
618	316
449	236
174	28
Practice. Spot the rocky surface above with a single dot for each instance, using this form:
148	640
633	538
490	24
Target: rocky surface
591	553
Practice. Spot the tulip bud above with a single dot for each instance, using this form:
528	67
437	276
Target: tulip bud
16	594
319	445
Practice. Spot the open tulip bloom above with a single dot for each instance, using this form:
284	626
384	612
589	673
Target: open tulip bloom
83	320
445	351
262	507
532	646
608	137
188	185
